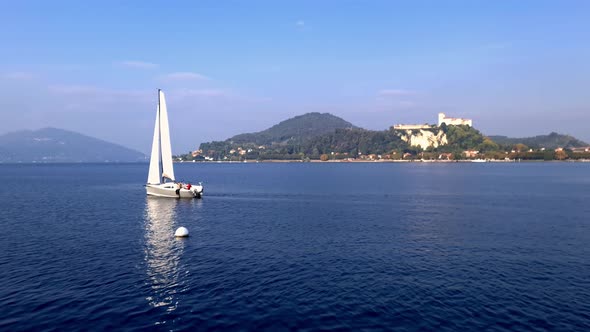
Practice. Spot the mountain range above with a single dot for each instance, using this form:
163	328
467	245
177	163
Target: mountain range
52	145
308	135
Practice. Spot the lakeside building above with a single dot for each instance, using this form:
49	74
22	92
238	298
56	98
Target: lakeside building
445	156
581	149
442	118
196	153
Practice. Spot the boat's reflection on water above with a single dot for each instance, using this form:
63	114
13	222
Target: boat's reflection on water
166	275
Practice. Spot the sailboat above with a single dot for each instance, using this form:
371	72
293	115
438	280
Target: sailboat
161	181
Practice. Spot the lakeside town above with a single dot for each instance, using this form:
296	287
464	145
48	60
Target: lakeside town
452	139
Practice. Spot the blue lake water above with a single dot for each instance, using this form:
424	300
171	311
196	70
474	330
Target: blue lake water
441	247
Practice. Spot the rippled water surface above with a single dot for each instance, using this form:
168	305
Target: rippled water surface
441	247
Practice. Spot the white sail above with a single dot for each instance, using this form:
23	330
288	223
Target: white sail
167	168
154	174
161	167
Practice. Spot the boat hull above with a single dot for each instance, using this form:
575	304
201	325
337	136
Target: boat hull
169	190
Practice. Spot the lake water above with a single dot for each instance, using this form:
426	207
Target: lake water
441	247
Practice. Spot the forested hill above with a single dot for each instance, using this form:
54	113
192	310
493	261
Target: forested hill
297	129
50	145
349	141
551	141
313	135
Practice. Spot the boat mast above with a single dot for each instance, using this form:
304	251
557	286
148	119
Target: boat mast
160	161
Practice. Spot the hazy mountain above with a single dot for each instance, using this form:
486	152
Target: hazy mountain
57	145
299	128
551	141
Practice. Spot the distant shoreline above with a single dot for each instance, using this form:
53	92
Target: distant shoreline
271	161
305	162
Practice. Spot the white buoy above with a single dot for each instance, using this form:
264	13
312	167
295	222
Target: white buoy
181	232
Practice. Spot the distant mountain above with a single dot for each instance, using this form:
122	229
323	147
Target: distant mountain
551	141
51	145
297	129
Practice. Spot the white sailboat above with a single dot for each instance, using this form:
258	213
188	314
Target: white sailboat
161	181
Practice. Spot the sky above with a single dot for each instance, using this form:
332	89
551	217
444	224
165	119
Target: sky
517	68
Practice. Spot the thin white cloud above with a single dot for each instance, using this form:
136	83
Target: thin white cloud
19	75
73	89
200	93
88	93
215	94
395	92
92	98
407	103
138	64
184	76
397	99
301	25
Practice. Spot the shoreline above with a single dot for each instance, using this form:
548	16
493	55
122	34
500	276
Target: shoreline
270	161
278	161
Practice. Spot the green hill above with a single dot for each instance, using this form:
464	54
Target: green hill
281	141
355	141
352	142
51	145
297	129
313	134
551	141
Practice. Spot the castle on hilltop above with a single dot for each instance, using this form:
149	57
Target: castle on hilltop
442	118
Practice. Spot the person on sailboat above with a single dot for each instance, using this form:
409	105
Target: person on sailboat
178	187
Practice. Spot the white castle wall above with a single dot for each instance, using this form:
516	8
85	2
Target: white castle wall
442	118
411	126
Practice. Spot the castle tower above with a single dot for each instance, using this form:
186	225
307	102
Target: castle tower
441	118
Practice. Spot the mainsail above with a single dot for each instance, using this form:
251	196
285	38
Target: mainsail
154	174
167	168
161	147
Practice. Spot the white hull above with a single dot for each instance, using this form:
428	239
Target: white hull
169	190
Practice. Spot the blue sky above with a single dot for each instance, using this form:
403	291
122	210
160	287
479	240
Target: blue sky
516	67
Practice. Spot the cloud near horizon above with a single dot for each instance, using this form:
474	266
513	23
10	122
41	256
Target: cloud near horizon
396	99
138	64
19	75
199	93
184	76
395	92
89	94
